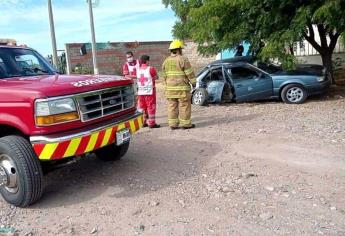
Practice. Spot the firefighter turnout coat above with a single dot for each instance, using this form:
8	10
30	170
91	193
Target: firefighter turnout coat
178	75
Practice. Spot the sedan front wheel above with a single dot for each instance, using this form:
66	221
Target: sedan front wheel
200	97
294	94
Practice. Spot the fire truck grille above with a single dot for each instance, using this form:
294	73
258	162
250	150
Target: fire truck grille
105	102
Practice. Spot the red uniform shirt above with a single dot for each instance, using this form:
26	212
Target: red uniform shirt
153	74
129	69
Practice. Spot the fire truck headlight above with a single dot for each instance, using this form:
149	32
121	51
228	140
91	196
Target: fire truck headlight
50	112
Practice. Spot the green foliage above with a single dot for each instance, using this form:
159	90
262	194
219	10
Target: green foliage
182	9
222	24
274	50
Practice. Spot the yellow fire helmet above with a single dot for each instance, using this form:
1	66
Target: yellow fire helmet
176	44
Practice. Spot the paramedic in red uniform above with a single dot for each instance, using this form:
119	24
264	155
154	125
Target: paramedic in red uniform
130	67
129	70
146	76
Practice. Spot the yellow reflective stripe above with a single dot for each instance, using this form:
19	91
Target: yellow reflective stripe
92	142
173	121
132	125
106	137
185	122
174	96
140	121
188	71
176	76
175	73
72	147
177	88
193	81
121	126
48	151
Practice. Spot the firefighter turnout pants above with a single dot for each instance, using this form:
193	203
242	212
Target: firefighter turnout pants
179	111
147	103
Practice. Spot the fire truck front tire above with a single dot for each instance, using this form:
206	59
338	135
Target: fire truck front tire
112	152
20	172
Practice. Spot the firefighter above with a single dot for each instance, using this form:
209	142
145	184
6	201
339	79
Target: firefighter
146	76
178	77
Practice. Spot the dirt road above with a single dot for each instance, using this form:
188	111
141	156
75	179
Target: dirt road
247	169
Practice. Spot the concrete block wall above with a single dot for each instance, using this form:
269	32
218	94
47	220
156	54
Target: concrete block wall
111	59
197	61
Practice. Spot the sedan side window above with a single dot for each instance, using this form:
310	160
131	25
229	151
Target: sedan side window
214	75
241	73
207	77
268	67
217	74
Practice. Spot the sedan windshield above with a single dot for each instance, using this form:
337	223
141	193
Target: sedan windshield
19	62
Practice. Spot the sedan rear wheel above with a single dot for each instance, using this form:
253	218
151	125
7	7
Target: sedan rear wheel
294	94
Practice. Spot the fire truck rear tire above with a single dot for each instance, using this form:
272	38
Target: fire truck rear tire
112	152
20	165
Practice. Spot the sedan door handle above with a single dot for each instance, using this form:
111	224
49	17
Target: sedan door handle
239	86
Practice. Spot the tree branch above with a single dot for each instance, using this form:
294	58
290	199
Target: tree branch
311	38
311	30
322	34
334	40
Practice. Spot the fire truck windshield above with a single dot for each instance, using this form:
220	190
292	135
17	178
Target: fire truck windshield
19	62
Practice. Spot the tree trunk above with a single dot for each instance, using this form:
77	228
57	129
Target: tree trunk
325	49
328	65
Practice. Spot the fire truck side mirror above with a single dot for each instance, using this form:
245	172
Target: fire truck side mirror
83	50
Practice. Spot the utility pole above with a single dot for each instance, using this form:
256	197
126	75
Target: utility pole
94	49
52	33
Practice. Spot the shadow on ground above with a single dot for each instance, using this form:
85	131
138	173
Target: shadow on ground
210	122
147	167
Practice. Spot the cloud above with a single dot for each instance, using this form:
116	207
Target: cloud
115	20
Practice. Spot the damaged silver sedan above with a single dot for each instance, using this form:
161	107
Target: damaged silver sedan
235	80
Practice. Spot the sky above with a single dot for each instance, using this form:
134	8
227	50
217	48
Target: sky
115	21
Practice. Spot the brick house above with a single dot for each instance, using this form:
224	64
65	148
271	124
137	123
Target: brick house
111	56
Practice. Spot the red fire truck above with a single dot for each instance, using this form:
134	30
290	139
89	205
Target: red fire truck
49	118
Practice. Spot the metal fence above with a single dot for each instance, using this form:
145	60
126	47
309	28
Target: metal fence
306	49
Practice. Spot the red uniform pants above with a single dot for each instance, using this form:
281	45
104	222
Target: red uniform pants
147	103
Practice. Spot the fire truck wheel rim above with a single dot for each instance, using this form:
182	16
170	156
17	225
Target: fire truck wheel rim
8	174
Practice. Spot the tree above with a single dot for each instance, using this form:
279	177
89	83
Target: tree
221	24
